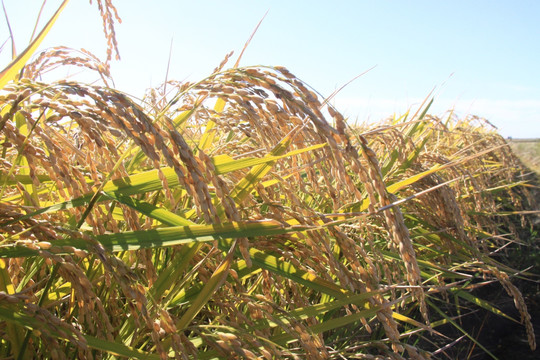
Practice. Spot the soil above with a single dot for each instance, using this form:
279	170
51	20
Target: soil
504	338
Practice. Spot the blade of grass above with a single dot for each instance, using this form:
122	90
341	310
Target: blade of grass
11	37
484	304
210	287
170	236
447	318
250	181
11	71
149	181
15	333
31	323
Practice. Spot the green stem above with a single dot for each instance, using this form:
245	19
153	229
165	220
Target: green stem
53	275
40	302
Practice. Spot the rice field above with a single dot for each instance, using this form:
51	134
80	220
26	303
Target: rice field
242	217
528	150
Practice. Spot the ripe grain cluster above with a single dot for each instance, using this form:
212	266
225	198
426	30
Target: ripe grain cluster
242	217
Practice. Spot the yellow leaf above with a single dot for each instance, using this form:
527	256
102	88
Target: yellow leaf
11	71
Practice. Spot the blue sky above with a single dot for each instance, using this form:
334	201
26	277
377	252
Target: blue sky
481	57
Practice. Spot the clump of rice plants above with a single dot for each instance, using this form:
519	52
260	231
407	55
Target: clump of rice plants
242	217
528	151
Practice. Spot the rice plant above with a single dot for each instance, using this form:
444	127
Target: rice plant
242	217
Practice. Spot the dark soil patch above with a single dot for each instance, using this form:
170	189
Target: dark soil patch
504	338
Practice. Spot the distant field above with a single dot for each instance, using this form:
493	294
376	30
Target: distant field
528	151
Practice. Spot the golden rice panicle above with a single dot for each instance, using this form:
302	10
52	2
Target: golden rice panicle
223	62
313	126
81	136
397	228
52	327
519	302
59	57
109	15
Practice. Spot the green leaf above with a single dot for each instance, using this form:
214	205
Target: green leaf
165	216
209	135
225	164
484	304
118	349
15	333
250	181
170	277
149	180
28	322
330	324
447	318
209	288
170	236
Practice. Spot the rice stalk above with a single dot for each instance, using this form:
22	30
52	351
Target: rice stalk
240	217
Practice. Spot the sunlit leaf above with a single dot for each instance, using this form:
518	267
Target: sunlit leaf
12	70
